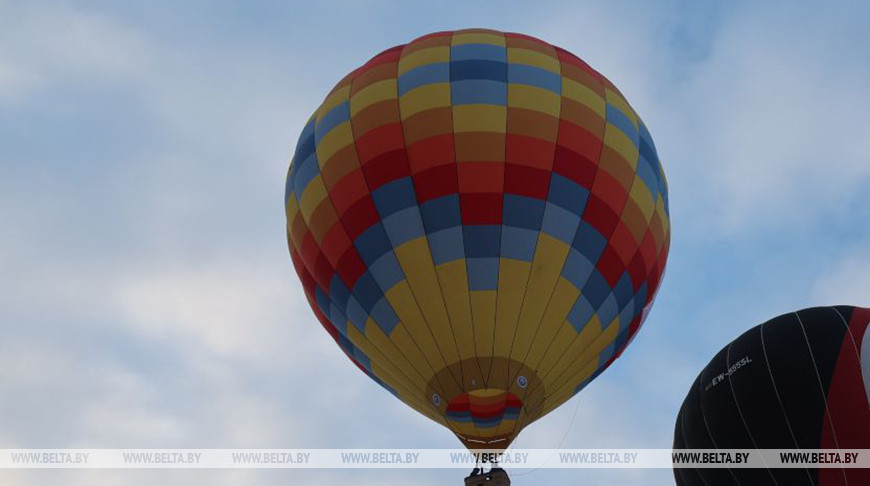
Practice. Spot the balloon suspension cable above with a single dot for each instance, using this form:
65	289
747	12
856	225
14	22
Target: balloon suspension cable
561	442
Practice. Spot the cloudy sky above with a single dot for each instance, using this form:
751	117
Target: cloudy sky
147	298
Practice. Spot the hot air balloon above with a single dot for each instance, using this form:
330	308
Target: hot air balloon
480	221
798	381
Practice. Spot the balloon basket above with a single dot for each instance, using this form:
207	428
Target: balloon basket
495	477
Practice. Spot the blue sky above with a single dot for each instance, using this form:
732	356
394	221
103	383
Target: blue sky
147	298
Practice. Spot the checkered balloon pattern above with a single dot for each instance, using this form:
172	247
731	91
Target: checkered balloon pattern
480	221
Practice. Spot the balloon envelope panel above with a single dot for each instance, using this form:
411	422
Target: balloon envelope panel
798	381
480	221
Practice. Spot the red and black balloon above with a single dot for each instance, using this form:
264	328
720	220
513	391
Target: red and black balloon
798	381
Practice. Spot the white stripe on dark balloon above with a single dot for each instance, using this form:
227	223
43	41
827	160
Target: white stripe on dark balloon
740	412
821	389
707	425
779	398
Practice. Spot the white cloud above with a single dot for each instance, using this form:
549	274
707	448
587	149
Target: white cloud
780	110
64	398
128	408
847	282
51	44
229	310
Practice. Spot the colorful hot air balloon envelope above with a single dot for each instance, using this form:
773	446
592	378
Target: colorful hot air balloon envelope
799	381
480	221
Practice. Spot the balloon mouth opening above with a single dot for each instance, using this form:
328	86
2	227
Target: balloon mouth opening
486	407
493	412
490	444
486	401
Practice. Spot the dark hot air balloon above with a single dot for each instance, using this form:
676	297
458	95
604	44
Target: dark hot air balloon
798	381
